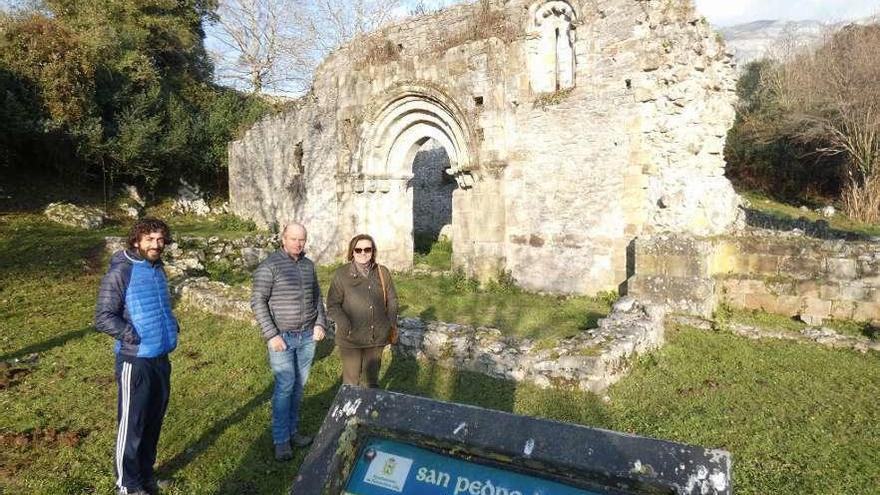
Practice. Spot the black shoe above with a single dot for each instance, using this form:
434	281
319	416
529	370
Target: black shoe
301	440
155	487
283	452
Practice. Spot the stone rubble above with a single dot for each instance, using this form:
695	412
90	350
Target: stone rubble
84	217
813	334
187	256
190	200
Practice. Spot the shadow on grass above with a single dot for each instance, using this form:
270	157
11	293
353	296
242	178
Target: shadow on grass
35	247
260	450
49	344
408	375
258	471
187	455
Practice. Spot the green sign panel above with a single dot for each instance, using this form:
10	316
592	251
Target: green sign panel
386	467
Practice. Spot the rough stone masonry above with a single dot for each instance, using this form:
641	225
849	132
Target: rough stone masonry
570	128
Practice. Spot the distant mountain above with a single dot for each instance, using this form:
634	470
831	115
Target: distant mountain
758	39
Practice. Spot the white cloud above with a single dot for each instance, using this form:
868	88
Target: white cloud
727	12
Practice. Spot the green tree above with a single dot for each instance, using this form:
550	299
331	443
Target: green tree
116	88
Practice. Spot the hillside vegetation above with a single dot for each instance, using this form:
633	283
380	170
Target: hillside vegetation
808	127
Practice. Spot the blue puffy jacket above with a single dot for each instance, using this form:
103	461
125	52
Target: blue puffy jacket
134	306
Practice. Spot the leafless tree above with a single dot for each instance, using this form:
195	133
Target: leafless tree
832	95
276	45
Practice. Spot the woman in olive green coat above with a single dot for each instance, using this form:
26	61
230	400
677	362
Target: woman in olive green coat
363	303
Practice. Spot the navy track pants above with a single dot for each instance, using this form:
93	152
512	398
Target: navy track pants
144	385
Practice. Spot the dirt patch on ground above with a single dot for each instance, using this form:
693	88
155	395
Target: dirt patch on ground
48	437
102	380
16	448
11	375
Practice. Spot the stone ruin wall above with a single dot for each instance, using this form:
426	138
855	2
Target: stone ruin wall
552	185
812	279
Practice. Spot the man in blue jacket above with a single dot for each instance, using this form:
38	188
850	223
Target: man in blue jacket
134	307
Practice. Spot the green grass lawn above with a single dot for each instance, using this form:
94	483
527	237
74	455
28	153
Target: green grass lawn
797	418
786	211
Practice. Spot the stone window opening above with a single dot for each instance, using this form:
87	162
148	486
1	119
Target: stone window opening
296	183
551	54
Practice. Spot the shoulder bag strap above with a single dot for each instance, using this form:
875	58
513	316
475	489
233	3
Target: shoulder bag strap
382	282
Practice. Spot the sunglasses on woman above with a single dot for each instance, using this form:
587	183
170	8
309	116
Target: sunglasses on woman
367	250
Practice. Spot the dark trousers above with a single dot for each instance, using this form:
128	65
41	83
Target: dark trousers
361	366
144	385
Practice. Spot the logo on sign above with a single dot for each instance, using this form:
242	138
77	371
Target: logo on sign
388	471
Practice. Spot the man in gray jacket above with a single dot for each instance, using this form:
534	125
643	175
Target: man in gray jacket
287	303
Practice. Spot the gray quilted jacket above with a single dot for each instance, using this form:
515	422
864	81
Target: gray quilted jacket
286	296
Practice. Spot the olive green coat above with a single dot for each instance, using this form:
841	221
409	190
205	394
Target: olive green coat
356	304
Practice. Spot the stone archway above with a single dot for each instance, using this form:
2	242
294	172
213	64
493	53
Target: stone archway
391	140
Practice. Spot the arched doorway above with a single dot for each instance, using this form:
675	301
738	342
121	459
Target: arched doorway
398	200
432	190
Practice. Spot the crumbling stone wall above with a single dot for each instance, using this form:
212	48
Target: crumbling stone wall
786	274
563	149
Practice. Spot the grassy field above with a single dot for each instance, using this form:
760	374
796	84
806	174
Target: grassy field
797	418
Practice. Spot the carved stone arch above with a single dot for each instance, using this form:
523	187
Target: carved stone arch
399	124
550	46
394	129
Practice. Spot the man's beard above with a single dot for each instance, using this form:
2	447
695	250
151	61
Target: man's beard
146	254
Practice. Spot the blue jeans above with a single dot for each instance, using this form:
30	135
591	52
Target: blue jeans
291	370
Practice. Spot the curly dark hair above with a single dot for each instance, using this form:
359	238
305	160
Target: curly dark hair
146	226
354	241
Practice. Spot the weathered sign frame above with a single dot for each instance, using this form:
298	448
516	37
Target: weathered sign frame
594	459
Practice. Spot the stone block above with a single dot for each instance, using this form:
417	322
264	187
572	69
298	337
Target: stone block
765	302
829	291
762	264
853	291
866	311
735	299
808	288
789	305
843	310
801	267
681	266
813	307
842	269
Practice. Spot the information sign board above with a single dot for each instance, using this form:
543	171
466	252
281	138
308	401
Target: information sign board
375	442
387	467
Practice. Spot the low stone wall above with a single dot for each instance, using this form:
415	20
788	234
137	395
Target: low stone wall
787	274
590	361
188	256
